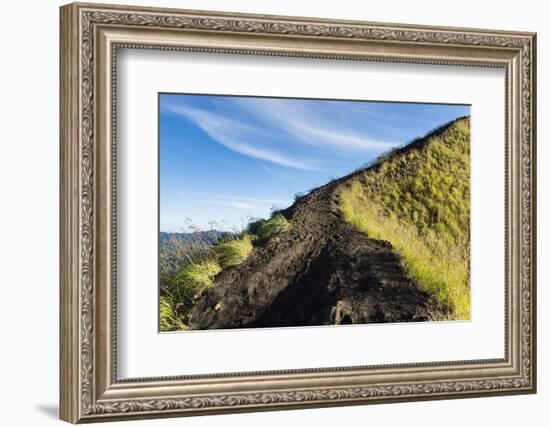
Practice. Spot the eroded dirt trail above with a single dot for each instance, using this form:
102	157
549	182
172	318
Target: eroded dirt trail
322	271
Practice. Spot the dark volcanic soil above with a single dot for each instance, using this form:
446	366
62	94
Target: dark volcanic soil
321	272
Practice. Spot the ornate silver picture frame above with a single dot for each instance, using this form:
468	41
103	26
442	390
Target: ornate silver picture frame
91	35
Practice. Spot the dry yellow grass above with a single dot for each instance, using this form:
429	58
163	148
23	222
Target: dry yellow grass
419	201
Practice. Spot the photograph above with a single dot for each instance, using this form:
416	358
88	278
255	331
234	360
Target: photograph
279	212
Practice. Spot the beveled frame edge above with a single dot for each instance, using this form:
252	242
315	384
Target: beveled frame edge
88	390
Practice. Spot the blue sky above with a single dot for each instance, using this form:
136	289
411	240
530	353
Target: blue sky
227	159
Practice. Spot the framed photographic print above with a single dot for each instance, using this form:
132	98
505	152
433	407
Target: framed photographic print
265	212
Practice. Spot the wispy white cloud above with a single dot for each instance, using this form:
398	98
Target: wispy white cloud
255	200
235	204
233	134
250	204
235	200
315	127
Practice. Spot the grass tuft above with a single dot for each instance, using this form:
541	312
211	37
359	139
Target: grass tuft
169	321
267	229
234	251
199	276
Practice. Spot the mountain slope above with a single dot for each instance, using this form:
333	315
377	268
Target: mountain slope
324	269
419	200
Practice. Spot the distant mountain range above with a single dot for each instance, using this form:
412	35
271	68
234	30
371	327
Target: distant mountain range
211	237
178	249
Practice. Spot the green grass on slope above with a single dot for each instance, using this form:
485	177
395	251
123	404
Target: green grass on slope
233	251
419	201
181	289
265	230
169	321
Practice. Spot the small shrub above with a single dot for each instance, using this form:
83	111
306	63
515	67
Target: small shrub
233	252
198	276
299	195
254	226
189	283
268	229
